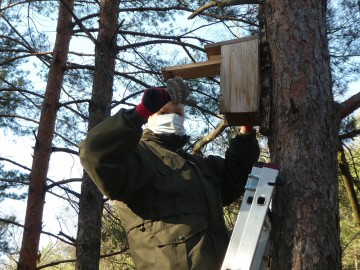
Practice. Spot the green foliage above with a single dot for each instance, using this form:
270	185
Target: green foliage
349	227
5	235
12	184
57	252
349	231
343	19
231	213
113	234
16	99
348	124
114	241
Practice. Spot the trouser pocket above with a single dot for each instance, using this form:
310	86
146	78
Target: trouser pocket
171	245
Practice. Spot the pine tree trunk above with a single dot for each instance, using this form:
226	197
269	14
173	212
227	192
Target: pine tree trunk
91	200
304	128
42	149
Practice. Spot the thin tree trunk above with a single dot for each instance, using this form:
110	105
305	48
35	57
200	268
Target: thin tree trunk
42	150
348	182
91	200
304	128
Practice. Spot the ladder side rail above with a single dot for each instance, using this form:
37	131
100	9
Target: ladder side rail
256	219
260	258
238	230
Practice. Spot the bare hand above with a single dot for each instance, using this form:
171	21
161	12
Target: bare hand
246	130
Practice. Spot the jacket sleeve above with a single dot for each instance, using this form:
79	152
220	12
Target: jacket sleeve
233	171
110	152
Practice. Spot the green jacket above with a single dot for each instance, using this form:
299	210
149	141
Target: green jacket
169	203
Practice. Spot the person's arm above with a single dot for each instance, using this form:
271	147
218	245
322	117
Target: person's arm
107	149
110	155
243	152
233	171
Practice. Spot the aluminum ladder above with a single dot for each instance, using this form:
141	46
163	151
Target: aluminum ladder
249	242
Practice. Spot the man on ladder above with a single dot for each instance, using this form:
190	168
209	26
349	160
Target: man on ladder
169	201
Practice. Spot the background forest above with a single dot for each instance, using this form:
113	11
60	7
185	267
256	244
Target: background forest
150	35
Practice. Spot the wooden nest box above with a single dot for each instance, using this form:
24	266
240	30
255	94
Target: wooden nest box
237	63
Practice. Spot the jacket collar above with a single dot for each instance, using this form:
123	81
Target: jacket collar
170	142
164	146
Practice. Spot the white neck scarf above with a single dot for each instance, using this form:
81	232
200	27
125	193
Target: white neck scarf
167	124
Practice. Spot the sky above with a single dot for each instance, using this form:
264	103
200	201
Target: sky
55	208
21	150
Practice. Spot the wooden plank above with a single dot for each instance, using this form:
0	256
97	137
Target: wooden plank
239	83
204	69
241	119
215	48
214	57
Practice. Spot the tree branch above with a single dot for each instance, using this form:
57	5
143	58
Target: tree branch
25	43
205	140
51	185
11	181
349	135
63	197
73	260
78	22
58	183
44	232
223	3
66	150
54	263
73	240
157	42
15	163
349	105
202	9
9	60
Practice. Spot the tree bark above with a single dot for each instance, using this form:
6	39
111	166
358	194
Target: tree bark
42	149
303	139
91	200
